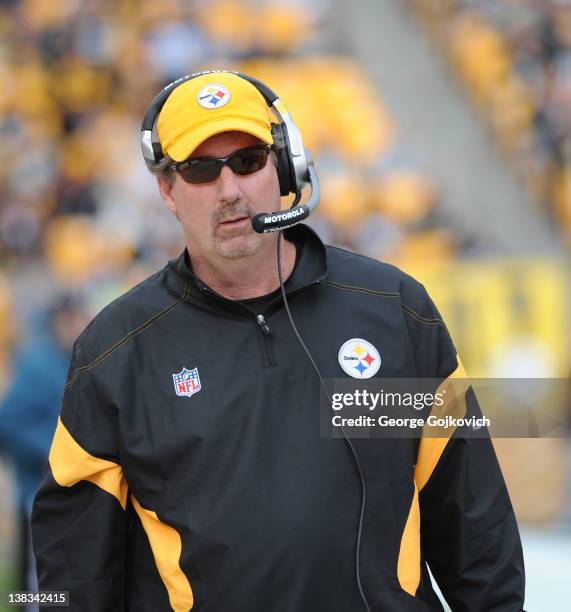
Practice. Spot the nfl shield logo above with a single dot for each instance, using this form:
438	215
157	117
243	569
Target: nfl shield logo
186	382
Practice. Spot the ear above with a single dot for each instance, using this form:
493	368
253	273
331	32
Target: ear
166	191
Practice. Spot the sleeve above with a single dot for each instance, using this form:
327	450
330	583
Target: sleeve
469	534
80	519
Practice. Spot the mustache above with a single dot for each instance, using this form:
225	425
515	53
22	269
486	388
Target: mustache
241	209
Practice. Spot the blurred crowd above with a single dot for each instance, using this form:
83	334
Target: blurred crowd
514	59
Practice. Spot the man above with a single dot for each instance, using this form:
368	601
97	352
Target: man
188	471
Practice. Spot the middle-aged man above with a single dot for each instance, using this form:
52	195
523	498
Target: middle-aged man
187	470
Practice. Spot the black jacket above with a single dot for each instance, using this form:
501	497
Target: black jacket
227	498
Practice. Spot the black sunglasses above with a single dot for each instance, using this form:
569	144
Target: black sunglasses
205	169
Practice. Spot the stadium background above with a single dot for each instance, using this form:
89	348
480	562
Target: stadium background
441	132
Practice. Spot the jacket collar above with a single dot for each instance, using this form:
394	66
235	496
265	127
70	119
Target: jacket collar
310	269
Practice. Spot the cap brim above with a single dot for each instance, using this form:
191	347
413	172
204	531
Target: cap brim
191	141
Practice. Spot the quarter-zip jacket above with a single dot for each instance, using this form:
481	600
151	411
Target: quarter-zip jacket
228	499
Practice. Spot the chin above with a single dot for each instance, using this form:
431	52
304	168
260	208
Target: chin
239	246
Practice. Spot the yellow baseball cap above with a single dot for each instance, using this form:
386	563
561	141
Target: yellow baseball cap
207	105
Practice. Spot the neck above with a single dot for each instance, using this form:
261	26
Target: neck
246	277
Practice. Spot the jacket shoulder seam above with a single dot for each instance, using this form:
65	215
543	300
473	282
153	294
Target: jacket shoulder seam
360	289
406	308
81	370
420	318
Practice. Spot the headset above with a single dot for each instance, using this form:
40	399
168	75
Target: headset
295	164
295	171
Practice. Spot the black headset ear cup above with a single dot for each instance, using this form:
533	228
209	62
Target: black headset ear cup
286	173
158	151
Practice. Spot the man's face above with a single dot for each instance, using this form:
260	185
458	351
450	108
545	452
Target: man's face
217	217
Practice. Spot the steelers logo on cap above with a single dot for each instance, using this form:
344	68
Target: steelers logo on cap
359	358
213	95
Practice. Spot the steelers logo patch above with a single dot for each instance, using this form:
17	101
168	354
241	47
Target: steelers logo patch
213	95
359	358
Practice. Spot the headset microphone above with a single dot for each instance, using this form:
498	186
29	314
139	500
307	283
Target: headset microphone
274	222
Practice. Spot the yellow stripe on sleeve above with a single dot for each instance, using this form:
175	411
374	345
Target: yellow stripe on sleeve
408	566
70	464
166	545
434	440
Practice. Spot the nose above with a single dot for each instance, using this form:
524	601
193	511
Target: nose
228	186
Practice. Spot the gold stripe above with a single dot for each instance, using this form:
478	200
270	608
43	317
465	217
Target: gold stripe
406	308
408	566
361	289
421	318
434	440
166	545
70	464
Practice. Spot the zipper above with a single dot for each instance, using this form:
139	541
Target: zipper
265	341
266	330
267	354
262	323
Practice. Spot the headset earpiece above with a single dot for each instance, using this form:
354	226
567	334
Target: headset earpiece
286	172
